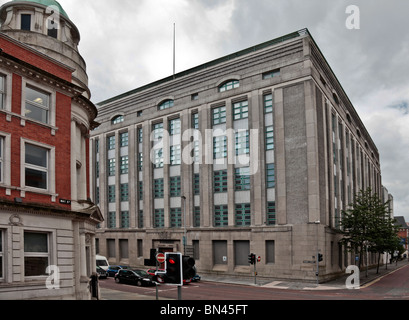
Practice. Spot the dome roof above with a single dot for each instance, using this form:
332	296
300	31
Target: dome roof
48	3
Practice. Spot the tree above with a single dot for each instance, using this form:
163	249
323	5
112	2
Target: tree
366	225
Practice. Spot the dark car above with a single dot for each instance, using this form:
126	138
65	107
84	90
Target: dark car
102	274
112	270
137	277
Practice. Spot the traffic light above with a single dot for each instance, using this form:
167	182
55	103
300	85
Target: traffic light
173	268
320	257
188	266
252	258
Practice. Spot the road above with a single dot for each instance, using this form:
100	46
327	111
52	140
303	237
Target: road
394	286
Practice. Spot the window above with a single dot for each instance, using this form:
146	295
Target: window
2	91
243	215
124	139
37	105
111	220
159	218
111	167
124	164
140	190
195	121
219	147
220	181
221	218
271	213
175	217
36	254
140	135
271	74
242	179
111	194
175	186
229	85
111	143
158	160
140	219
268	103
124	220
241	110
196	184
166	104
175	155
196	217
26	22
158	188
270	138
1	254
117	119
270	251
124	192
271	180
242	142
158	131
174	127
219	115
140	161
36	167
1	159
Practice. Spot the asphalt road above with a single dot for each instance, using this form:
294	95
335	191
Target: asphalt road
394	286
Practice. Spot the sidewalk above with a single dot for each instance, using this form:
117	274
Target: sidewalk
337	284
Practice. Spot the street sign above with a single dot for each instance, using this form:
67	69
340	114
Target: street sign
309	261
160	257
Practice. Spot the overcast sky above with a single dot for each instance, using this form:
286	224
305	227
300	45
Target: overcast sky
129	43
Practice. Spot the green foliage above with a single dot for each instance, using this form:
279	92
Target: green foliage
367	225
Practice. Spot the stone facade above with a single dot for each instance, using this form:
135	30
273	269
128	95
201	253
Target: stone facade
277	112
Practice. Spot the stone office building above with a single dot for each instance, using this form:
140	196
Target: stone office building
256	152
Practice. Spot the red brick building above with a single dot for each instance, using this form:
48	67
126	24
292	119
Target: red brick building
47	222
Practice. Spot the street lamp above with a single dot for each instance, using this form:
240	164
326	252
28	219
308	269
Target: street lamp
318	252
184	224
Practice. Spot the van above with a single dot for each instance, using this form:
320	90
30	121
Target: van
102	262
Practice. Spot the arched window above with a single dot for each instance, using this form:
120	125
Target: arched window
166	104
117	119
229	85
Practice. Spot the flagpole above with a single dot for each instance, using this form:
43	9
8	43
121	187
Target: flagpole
174	50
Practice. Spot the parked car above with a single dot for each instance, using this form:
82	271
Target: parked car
137	277
154	278
112	270
102	274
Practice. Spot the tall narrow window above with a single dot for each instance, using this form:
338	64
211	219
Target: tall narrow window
36	254
37	105
1	254
2	91
36	167
159	217
1	159
219	115
271	179
26	22
221	217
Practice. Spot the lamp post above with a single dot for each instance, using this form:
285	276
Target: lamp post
184	225
318	252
